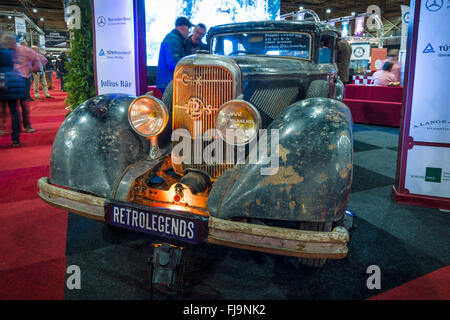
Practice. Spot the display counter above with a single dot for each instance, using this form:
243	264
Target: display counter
379	105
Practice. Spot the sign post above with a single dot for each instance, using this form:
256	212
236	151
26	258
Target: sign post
423	165
119	46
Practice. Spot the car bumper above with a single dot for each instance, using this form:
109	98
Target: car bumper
275	240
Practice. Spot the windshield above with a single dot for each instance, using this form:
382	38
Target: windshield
296	45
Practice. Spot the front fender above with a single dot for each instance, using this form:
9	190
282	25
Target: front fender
314	176
95	144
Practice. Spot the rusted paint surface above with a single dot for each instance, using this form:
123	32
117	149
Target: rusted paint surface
95	144
308	244
313	180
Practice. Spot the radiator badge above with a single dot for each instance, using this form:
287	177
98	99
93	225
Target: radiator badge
186	79
196	108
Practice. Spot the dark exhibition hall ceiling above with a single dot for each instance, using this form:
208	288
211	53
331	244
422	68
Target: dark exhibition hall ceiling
53	13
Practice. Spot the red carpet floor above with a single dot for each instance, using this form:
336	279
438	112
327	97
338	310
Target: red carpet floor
32	233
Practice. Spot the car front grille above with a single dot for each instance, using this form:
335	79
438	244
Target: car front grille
199	91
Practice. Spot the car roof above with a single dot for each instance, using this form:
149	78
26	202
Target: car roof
272	25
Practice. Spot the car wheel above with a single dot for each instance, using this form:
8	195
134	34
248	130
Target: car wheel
317	89
314	226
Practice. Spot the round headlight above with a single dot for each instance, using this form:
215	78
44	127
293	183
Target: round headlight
238	122
148	116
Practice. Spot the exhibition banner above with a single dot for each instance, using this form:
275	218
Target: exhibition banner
378	55
360	51
345	26
21	29
42	42
56	39
430	111
114	44
359	26
405	23
423	168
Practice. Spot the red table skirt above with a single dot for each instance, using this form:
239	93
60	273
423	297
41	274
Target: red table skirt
377	105
373	93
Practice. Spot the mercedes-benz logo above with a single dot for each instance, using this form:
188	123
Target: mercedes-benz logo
101	21
359	52
434	5
406	17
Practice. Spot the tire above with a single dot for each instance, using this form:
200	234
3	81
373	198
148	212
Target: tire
167	97
318	89
314	226
165	137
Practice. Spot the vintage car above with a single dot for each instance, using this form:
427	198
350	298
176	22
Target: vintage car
117	158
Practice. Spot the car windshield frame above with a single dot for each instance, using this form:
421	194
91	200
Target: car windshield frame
263	34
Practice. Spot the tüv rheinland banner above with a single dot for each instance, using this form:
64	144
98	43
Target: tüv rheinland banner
114	27
428	161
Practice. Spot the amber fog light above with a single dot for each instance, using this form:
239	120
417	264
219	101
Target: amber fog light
238	122
148	116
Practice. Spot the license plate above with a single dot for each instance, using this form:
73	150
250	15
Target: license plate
163	222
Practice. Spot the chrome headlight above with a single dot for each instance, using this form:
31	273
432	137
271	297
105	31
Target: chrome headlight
148	116
238	122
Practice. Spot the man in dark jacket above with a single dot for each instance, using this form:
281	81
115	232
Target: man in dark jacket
344	53
194	41
172	49
61	70
14	86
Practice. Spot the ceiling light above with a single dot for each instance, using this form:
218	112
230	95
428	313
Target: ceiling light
301	8
353	13
9	17
35	10
42	19
328	10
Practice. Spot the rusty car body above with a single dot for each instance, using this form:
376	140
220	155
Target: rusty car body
113	157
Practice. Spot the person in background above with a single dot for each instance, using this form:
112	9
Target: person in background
49	68
384	76
61	71
324	52
39	77
172	49
25	59
14	87
194	41
344	53
396	68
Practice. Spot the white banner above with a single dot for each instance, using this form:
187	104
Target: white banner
114	46
21	29
428	171
428	167
42	42
430	110
405	23
360	51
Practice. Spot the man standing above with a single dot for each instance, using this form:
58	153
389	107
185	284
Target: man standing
24	59
172	49
344	53
194	42
61	71
39	77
